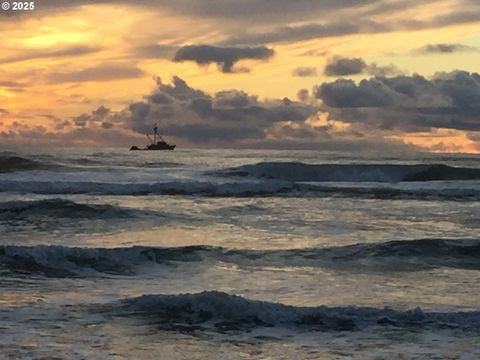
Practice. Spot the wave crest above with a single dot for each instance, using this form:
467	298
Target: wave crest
60	261
60	208
17	163
414	255
392	256
221	312
297	171
241	189
201	188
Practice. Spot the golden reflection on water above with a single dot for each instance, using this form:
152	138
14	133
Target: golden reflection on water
15	299
220	235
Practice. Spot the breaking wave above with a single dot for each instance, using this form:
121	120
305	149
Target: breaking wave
60	208
223	313
17	163
470	192
414	255
297	171
202	188
392	256
60	261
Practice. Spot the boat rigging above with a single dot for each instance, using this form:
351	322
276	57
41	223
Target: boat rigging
157	143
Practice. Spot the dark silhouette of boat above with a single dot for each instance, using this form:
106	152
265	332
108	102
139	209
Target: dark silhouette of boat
157	143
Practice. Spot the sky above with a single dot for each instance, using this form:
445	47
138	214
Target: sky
349	75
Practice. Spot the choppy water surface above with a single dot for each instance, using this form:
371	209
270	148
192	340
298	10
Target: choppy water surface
238	254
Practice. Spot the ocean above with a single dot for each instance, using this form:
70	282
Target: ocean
238	254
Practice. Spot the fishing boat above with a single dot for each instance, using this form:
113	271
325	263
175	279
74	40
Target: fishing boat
157	143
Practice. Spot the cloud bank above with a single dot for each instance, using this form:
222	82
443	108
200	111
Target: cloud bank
409	103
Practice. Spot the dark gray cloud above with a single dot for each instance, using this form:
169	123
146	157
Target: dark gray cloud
444	49
234	99
383	70
81	120
213	134
26	55
101	114
235	118
59	124
409	103
303	95
227	117
102	72
345	66
159	98
178	90
140	116
106	125
251	111
304	71
344	93
225	57
325	138
342	66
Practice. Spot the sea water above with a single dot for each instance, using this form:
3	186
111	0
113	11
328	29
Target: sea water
238	254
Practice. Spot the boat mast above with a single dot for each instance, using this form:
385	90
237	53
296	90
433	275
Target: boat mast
155	133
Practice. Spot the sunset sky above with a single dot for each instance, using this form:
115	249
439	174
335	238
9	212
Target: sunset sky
348	75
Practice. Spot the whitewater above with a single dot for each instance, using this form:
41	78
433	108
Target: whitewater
238	254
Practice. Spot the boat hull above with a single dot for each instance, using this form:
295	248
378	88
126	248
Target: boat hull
155	145
170	147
